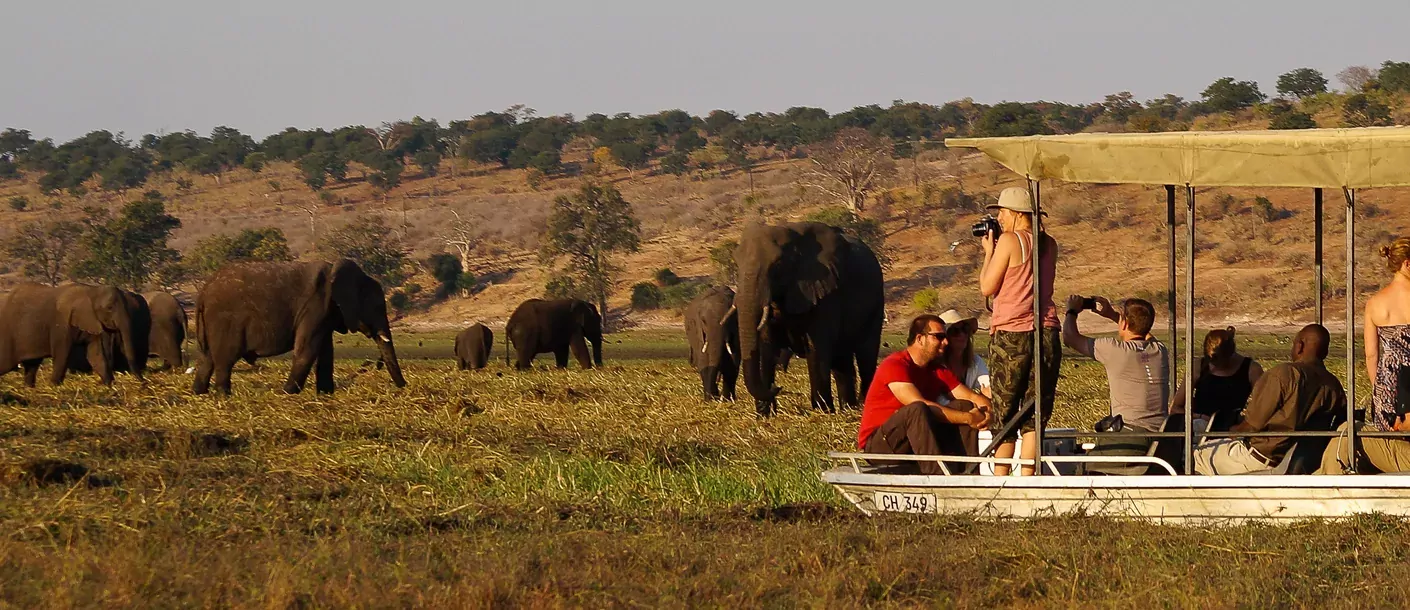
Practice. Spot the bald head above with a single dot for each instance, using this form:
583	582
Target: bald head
1311	344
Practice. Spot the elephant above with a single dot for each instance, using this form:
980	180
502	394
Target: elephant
168	329
712	332
538	326
819	292
104	348
57	321
257	310
473	347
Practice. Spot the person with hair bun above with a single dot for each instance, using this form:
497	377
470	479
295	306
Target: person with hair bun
1223	382
1387	341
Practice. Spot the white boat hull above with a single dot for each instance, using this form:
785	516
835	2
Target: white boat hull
1173	499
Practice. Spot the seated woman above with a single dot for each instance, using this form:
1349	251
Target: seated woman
1222	382
969	367
1387	342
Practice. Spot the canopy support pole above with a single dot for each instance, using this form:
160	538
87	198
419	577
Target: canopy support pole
1170	293
1351	323
1317	247
1189	328
1034	188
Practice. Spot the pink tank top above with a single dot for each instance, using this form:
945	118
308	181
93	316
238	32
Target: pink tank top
1013	306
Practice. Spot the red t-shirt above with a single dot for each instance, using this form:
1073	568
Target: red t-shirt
881	404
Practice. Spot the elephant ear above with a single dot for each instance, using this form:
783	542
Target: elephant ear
346	285
817	254
82	314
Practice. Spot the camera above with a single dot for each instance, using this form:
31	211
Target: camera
1089	303
986	225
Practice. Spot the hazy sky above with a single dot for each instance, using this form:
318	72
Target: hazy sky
146	65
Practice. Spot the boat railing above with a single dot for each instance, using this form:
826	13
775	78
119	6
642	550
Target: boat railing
1051	460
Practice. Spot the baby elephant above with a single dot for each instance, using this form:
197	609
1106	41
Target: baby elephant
473	346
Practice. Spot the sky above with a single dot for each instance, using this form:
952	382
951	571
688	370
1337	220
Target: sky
148	66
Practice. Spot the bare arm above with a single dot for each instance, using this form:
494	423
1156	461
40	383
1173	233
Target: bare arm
1177	402
1373	344
1071	337
996	262
907	393
1255	372
961	392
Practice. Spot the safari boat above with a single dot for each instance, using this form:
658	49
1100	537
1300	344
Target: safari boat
1317	159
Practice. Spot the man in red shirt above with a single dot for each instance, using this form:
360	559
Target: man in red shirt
900	415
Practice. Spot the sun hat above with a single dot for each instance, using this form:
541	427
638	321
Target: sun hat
952	317
1014	198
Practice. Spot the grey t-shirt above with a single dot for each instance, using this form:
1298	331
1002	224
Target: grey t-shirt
1138	373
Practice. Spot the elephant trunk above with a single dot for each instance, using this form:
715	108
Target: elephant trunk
596	350
389	357
756	351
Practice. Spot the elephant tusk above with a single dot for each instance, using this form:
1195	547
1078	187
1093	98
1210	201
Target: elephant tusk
725	319
705	347
728	350
763	318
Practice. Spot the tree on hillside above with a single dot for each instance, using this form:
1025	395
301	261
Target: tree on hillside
386	172
1292	120
373	245
718	120
849	167
1011	119
722	257
1361	110
465	236
130	249
1168	106
214	252
42	248
1227	95
1395	76
1301	83
14	143
586	229
1356	77
1120	106
630	155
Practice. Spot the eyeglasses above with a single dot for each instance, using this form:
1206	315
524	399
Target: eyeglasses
939	335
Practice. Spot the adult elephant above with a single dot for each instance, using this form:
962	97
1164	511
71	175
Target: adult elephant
807	286
559	326
106	348
712	332
57	322
257	310
473	347
168	329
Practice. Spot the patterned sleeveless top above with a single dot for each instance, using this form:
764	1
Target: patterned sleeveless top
1013	306
1395	353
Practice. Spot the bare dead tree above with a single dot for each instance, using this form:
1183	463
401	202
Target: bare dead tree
850	166
463	237
1356	77
388	135
311	208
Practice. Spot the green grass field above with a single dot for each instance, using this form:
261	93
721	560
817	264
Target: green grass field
614	487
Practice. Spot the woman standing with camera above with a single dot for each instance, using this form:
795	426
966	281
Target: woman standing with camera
1007	277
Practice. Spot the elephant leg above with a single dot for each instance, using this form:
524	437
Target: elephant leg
323	373
581	353
305	353
31	372
730	371
204	368
845	374
560	357
708	378
222	376
820	379
60	348
523	359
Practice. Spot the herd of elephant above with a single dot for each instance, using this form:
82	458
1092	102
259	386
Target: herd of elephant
804	289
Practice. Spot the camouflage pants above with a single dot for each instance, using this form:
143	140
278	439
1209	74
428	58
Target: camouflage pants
1011	375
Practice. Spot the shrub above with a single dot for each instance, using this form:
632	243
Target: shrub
680	295
646	296
399	300
412	288
1230	254
1265	209
18	203
956	199
212	253
376	248
1292	120
255	161
466	282
926	299
666	277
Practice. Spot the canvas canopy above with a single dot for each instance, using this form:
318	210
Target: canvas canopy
1328	158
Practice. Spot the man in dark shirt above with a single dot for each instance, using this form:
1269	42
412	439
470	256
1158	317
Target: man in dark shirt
901	415
1297	396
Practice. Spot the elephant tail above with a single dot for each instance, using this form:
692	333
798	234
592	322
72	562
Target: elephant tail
200	328
506	344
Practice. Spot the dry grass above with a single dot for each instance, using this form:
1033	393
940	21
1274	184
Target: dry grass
612	487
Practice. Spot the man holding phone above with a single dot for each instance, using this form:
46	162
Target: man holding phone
1137	368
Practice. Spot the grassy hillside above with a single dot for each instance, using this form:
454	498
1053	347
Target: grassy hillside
1253	258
